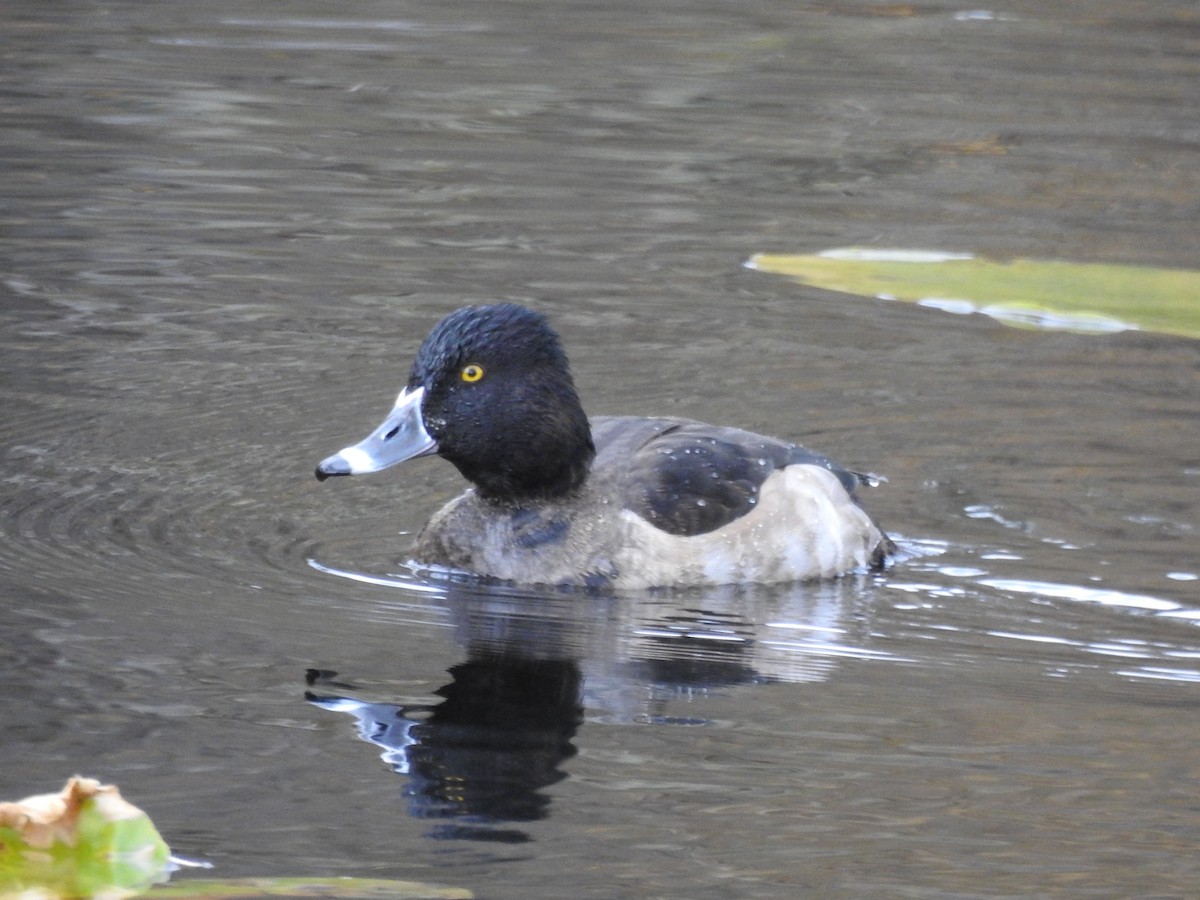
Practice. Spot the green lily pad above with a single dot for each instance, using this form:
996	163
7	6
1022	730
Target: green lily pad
1032	293
308	888
86	841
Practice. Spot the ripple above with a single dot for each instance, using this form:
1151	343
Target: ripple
404	25
1103	596
1163	673
118	489
403	582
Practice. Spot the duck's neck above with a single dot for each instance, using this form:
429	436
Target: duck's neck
548	464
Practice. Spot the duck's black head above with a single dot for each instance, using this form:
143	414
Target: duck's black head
501	403
490	391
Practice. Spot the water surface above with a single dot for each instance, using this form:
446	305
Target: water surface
227	227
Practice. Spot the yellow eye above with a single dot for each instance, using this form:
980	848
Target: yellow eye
471	373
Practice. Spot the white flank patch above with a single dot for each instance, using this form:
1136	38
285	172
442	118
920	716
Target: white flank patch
804	526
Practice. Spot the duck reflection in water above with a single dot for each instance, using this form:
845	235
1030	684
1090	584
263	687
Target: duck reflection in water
487	754
487	751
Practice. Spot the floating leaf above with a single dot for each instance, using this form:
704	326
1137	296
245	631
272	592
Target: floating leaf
335	888
1042	294
86	841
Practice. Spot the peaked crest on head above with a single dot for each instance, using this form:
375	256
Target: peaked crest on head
507	332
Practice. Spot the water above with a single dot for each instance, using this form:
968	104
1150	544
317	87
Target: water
227	227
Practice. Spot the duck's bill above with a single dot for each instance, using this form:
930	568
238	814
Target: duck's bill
401	436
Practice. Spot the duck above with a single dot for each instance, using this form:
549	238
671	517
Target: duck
613	502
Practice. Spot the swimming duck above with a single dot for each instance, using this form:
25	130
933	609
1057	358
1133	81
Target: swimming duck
620	502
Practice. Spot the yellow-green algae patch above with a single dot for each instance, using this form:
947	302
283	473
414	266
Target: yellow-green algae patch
308	888
1037	293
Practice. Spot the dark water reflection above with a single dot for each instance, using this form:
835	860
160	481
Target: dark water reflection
483	753
227	226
